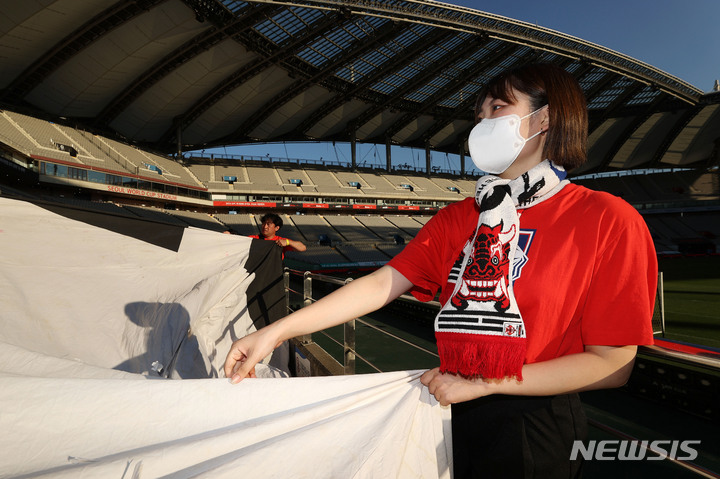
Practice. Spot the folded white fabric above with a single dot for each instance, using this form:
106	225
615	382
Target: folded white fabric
363	426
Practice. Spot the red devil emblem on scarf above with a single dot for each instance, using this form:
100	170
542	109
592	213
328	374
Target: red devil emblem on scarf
486	276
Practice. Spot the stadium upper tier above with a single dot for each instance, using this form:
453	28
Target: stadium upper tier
680	207
173	75
46	146
48	142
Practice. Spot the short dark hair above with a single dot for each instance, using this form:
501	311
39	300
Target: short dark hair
276	220
548	84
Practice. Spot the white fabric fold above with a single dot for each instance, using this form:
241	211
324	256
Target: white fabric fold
364	426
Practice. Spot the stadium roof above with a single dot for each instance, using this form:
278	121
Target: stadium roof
224	72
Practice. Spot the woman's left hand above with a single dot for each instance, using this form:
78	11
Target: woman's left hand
450	389
597	367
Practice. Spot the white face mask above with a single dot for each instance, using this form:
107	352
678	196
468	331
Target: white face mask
494	143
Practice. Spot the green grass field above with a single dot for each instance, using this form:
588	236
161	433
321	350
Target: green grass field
692	299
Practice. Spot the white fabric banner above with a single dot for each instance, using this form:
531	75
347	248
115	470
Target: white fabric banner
86	311
72	290
365	426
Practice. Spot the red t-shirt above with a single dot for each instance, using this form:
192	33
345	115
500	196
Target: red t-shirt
585	271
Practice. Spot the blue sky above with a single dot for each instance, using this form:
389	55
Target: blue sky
679	37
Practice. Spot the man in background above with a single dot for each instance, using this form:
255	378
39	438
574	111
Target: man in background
270	225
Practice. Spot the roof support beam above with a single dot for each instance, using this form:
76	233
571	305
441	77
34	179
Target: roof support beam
191	49
500	55
118	14
682	122
248	71
428	159
353	150
469	20
406	57
612	108
396	100
599	86
356	49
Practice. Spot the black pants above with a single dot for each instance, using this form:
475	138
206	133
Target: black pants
517	437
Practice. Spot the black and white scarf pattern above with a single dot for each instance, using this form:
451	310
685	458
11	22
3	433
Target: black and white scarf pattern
479	330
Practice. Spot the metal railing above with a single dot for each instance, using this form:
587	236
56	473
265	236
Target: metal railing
349	346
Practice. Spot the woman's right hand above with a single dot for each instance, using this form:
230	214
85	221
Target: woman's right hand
246	352
353	300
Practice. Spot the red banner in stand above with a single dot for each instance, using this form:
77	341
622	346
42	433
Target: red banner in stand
269	204
259	204
315	205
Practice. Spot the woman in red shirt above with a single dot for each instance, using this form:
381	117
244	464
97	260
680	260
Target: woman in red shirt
547	287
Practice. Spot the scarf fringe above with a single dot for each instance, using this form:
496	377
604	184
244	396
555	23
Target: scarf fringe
479	355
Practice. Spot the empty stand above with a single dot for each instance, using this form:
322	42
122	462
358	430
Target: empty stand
289	230
706	224
318	255
289	176
87	151
297	181
204	173
314	227
347	178
242	224
362	253
351	229
706	186
99	206
171	170
15	137
35	137
113	153
463	188
662	229
407	224
658	187
380	184
390	249
467	186
422	219
199	220
400	180
425	187
42	138
382	227
167	169
155	215
218	172
327	182
263	178
681	232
